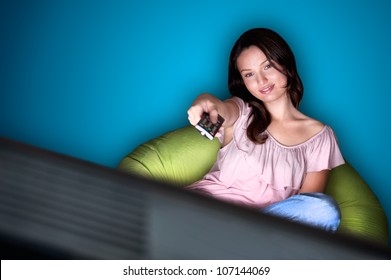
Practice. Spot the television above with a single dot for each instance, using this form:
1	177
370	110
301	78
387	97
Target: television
53	206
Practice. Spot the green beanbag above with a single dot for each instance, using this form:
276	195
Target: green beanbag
182	156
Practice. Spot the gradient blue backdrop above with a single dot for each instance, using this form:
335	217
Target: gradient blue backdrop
94	79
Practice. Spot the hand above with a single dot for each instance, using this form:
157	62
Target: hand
205	103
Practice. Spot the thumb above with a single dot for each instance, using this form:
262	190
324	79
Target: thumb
213	115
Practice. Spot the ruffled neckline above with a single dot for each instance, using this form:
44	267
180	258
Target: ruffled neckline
306	142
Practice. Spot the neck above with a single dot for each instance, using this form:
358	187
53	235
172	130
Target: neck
281	109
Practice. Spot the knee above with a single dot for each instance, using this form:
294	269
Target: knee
314	209
325	213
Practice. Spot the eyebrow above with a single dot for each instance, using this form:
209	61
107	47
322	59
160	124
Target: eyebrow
250	69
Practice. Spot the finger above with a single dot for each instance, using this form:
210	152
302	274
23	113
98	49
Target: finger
220	132
194	114
213	115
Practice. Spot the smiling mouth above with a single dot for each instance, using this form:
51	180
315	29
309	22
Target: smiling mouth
267	89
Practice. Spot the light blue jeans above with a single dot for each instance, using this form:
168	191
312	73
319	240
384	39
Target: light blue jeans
314	209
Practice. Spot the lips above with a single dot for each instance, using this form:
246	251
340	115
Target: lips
267	89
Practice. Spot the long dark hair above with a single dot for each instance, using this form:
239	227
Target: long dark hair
276	50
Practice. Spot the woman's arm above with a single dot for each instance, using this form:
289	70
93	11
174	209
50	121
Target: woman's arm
315	182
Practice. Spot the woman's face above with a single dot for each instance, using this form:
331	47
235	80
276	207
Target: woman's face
261	79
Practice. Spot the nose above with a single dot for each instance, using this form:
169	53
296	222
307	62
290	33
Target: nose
261	79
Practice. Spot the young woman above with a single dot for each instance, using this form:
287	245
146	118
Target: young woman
273	157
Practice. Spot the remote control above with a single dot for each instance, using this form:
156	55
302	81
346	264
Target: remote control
207	128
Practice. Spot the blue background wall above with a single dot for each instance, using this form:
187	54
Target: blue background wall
94	79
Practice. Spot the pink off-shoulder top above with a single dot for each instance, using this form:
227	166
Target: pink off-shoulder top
257	175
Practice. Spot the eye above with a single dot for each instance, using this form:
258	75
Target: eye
268	66
248	75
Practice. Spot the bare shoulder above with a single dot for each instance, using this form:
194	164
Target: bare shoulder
313	124
310	127
295	131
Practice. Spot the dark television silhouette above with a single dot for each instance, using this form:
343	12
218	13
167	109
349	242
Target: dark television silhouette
54	206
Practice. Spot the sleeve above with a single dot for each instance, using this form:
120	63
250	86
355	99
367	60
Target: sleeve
244	111
241	104
324	152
